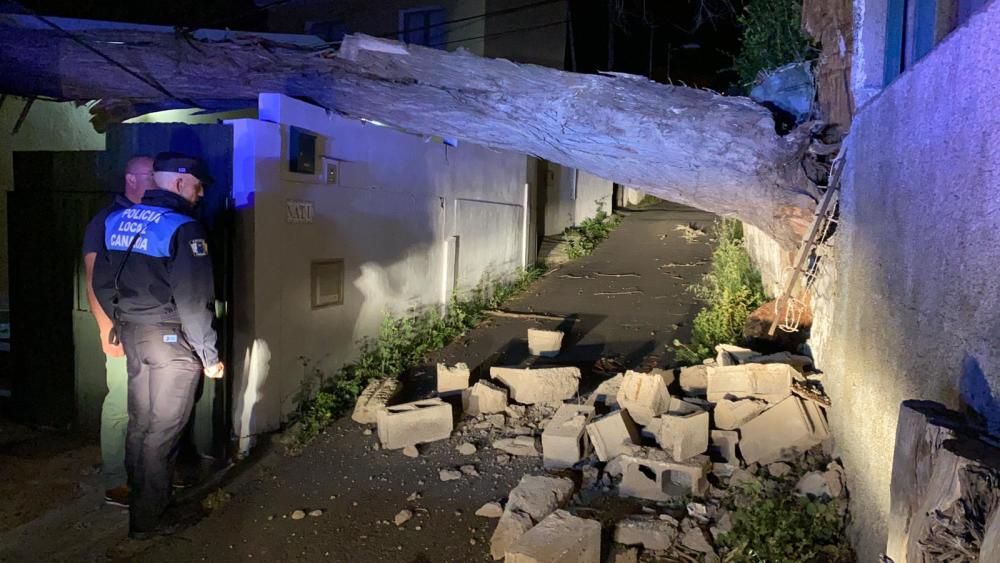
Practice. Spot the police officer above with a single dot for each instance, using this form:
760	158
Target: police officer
154	280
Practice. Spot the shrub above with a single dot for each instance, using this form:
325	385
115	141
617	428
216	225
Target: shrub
772	37
731	291
582	239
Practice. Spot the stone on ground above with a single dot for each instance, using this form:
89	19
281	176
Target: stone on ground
649	532
298	514
545	343
534	498
466	448
542	385
683	430
609	434
730	415
452	379
652	474
484	398
814	484
779	469
402	517
449	475
490	510
723	446
767	382
411	451
414	423
519	446
694	539
783	431
644	395
564	441
694	380
623	554
373	399
559	538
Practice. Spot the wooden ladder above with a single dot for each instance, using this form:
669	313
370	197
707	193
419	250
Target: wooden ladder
820	225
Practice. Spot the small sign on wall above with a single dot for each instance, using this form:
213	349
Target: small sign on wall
298	211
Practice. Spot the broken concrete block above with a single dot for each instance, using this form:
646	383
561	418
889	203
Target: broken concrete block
800	363
649	532
490	510
520	446
653	475
730	415
729	355
452	379
694	539
484	398
781	432
545	343
564	441
767	382
414	423
606	393
683	430
644	395
623	554
373	399
559	538
723	446
610	433
814	484
534	498
694	380
542	385
779	469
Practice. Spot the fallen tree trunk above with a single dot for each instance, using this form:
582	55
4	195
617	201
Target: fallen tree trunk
695	147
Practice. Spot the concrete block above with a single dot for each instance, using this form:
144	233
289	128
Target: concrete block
683	430
644	395
543	385
519	446
729	355
653	475
694	380
545	343
484	398
623	554
414	423
606	393
565	441
534	498
373	399
609	434
649	532
768	382
730	415
723	446
781	432
452	379
559	538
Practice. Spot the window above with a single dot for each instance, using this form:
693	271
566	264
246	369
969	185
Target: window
914	27
423	26
327	283
331	31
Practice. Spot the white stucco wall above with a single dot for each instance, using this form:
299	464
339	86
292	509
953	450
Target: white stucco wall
572	196
401	199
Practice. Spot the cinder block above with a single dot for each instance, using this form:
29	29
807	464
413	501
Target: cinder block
652	475
564	441
534	498
649	532
729	355
768	382
694	380
723	446
644	395
730	415
609	434
545	343
683	430
542	385
559	538
373	399
782	431
452	379
484	398
606	393
414	423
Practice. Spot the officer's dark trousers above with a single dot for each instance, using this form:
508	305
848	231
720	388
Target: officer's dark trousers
163	375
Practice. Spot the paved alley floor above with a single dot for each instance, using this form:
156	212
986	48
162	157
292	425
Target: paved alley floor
625	304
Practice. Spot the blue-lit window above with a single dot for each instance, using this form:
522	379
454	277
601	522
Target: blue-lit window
914	27
423	26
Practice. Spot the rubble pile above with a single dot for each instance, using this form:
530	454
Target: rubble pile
671	443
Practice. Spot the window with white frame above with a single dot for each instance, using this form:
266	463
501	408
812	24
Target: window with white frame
914	27
423	26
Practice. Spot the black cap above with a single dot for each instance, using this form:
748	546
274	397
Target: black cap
182	164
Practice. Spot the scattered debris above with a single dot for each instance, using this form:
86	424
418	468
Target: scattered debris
645	395
531	316
298	514
623	292
564	441
785	430
683	430
649	532
490	510
545	343
730	415
466	448
626	275
560	537
484	398
414	423
316	513
449	475
779	469
531	386
411	451
373	399
452	379
609	434
767	382
694	380
469	470
519	446
690	232
534	498
402	517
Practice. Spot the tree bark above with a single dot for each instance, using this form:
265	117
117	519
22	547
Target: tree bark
694	147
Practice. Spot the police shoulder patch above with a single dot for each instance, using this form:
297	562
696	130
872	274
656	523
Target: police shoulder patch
199	247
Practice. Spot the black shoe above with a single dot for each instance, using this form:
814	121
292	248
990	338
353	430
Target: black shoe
161	530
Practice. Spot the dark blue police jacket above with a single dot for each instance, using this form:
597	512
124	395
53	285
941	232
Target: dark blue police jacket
166	277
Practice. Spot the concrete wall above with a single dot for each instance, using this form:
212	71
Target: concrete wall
911	309
408	216
49	126
768	256
382	18
572	196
